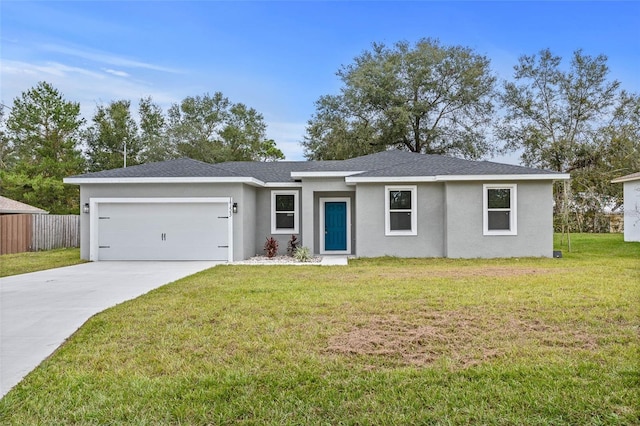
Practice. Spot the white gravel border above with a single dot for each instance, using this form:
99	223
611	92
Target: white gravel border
277	260
288	260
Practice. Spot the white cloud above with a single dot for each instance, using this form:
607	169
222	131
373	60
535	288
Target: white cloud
117	73
107	58
56	69
89	88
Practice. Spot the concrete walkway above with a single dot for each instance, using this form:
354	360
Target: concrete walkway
334	260
38	311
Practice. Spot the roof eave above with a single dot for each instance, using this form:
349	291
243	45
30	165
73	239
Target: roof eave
7	211
498	177
625	179
283	184
111	180
380	179
325	174
458	178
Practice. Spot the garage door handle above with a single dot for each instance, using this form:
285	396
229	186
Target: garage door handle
163	236
223	246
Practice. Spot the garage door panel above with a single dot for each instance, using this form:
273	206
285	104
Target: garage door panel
163	231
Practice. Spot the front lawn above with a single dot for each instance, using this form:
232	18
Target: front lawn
382	341
21	263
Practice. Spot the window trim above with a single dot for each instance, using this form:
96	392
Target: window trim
513	209
296	213
387	210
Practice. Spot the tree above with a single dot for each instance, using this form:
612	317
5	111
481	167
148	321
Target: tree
244	137
112	140
332	134
6	150
154	142
575	121
613	151
212	129
425	98
551	114
43	133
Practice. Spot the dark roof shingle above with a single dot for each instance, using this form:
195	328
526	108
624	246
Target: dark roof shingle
181	167
382	164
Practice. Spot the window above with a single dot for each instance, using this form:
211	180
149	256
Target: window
284	212
400	210
500	216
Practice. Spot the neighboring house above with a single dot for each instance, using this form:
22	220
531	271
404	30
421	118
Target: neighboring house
9	206
631	194
391	203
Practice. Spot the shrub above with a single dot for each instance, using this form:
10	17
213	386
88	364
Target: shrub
302	254
271	247
293	245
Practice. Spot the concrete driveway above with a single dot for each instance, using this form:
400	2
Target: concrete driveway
38	311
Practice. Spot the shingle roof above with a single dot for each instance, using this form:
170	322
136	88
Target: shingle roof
383	164
279	171
7	205
182	167
402	163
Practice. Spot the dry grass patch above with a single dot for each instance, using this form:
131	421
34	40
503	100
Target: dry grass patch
462	338
469	272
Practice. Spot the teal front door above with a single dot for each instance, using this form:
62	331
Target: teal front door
335	226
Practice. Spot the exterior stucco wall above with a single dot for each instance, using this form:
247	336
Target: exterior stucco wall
464	222
632	210
311	187
309	226
370	223
263	221
246	211
449	217
243	221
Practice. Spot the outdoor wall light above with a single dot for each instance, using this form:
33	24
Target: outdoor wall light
235	208
85	208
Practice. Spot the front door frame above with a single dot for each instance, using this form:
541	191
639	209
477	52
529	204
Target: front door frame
324	200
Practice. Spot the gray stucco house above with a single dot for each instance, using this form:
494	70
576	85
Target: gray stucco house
390	203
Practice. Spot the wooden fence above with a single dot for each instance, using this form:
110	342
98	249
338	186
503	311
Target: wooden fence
34	232
15	233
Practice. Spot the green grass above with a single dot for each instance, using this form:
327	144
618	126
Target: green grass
21	263
382	341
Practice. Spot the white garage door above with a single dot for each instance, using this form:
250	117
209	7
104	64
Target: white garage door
163	231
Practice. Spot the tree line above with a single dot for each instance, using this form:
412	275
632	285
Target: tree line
44	139
567	116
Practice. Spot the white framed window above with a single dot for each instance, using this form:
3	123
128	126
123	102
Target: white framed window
400	210
284	212
500	216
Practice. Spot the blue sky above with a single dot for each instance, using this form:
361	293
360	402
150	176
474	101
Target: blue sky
279	57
